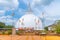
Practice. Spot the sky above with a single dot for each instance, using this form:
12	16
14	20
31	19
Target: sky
51	9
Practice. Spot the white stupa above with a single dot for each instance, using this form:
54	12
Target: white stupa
29	20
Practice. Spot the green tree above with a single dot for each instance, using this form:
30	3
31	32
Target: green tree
2	25
57	26
46	28
9	26
5	31
57	30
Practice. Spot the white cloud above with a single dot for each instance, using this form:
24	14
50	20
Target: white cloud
8	4
38	2
53	9
52	12
7	19
38	5
2	12
52	19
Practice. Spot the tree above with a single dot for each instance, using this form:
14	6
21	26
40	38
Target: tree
8	29
57	30
46	28
9	26
57	26
2	25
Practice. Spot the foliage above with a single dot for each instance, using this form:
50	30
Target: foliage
57	30
5	31
58	27
55	27
46	28
19	32
2	25
8	26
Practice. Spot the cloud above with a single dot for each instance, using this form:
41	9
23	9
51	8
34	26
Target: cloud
51	19
43	2
8	4
52	12
38	2
2	12
7	20
38	6
53	9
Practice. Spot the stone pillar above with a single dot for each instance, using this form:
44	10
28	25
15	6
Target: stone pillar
13	31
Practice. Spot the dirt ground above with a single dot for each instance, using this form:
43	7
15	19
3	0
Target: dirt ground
28	37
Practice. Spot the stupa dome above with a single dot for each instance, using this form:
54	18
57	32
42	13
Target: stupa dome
29	20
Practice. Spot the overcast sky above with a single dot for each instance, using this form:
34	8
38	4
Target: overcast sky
51	8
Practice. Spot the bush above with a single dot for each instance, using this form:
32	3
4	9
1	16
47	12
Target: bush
58	30
46	28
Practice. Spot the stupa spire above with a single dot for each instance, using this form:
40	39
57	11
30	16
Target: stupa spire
29	7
